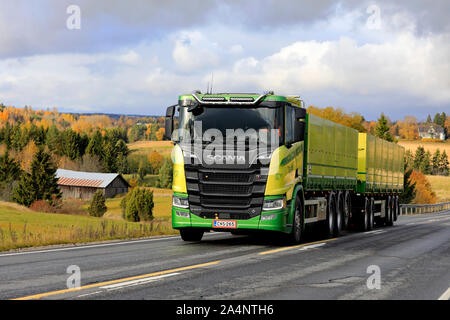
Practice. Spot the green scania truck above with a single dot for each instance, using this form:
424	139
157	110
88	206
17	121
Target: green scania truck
277	169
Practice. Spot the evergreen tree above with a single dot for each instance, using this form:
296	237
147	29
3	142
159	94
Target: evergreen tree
53	140
429	119
97	208
435	161
40	184
138	205
409	191
409	159
109	157
9	169
418	158
444	164
425	166
71	144
95	145
382	129
166	174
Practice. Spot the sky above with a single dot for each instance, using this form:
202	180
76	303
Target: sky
138	56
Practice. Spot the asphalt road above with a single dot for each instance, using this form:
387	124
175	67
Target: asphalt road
413	259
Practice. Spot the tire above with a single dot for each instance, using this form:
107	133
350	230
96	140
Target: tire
191	235
388	220
347	210
396	208
339	209
370	215
364	218
331	215
296	235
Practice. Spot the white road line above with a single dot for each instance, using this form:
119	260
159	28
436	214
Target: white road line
445	295
88	294
312	246
95	245
138	281
375	232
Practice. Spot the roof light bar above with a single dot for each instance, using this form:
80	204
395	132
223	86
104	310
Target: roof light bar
233	100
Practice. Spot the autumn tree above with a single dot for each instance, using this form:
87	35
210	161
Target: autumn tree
155	159
424	192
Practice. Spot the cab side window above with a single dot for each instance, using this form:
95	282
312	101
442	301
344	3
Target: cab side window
290	118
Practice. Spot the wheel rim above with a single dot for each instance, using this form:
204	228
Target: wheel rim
331	216
297	225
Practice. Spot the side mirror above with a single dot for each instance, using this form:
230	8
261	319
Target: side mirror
168	123
299	127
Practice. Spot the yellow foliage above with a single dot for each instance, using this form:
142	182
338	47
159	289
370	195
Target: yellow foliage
424	193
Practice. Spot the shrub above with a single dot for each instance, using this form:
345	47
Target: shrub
98	206
138	205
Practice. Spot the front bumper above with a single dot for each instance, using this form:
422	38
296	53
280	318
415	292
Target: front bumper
255	223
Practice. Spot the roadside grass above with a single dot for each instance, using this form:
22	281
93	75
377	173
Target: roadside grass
21	228
162	199
427	145
441	186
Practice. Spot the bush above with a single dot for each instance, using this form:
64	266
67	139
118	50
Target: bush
98	206
138	205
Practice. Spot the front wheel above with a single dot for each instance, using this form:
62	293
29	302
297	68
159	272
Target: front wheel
191	235
296	235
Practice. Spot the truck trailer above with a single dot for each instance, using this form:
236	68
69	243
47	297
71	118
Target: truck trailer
278	168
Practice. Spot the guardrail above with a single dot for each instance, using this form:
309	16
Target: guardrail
406	209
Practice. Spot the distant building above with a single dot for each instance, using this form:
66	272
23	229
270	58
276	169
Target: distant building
431	131
83	185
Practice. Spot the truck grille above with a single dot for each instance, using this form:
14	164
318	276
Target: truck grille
226	193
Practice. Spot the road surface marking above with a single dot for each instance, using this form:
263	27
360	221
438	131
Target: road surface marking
89	294
375	232
445	295
100	284
293	247
95	245
312	246
139	281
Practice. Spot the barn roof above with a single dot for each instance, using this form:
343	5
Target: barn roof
85	179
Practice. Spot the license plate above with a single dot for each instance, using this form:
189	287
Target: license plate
230	224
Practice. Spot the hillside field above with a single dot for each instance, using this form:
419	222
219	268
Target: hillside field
427	145
147	147
441	186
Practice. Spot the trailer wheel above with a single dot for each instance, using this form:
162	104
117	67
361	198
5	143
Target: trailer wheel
339	214
296	236
364	217
396	208
331	214
389	221
347	210
191	235
370	215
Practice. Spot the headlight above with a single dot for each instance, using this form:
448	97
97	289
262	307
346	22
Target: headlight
182	214
268	217
180	202
275	204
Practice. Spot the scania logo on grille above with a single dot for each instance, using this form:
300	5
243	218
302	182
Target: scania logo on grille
227	158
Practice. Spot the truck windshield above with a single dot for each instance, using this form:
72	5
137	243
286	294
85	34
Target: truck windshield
261	119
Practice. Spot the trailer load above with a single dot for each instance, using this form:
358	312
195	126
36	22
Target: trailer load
251	162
